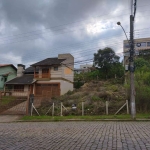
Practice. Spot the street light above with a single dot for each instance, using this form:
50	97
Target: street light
131	67
119	24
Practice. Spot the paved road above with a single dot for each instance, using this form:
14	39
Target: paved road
75	135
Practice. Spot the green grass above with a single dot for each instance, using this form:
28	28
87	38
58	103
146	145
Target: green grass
6	100
87	118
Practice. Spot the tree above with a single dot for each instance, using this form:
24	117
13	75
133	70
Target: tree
105	59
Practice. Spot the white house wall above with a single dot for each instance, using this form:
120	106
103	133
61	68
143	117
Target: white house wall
26	88
56	74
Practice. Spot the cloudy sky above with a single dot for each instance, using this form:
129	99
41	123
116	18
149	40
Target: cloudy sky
32	30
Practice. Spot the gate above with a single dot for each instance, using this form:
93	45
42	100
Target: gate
48	90
13	102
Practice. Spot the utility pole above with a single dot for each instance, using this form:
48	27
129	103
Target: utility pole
131	62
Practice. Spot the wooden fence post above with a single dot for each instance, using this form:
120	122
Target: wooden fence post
82	108
61	109
106	107
53	110
127	106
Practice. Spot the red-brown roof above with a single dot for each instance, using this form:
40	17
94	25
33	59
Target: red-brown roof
1	65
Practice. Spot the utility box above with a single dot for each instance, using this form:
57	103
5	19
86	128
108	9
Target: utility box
126	67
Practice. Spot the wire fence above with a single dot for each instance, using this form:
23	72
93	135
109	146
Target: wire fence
46	106
19	102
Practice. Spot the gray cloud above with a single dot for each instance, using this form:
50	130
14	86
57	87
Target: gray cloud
34	30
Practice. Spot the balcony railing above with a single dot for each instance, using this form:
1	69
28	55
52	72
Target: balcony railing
43	75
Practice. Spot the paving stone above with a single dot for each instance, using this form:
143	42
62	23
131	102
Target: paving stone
75	136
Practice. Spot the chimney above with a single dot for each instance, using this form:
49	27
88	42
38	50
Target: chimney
20	70
69	59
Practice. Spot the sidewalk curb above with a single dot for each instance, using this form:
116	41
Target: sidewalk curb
72	120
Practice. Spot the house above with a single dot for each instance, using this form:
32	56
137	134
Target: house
83	68
141	45
51	76
7	72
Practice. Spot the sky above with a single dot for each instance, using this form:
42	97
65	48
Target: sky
33	30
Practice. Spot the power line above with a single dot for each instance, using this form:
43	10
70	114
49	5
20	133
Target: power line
49	29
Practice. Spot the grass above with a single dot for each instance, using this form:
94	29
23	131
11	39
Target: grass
6	100
85	118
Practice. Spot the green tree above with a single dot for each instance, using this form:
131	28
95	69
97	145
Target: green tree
105	59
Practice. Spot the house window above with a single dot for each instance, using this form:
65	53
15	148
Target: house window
5	79
148	44
2	79
45	70
55	68
126	45
19	88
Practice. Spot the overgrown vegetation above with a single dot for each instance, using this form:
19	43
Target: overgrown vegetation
94	94
142	85
107	82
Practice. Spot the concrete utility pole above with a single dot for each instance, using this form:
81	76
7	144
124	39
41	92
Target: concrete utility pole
131	64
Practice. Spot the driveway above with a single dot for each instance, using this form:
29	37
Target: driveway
75	136
9	118
19	109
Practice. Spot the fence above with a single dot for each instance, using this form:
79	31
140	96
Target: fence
47	106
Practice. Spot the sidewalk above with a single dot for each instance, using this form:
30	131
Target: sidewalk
9	118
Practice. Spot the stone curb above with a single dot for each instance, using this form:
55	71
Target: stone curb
69	120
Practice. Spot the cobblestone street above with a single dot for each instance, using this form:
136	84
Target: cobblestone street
75	135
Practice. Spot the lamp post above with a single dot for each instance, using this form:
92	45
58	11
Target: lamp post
131	67
119	24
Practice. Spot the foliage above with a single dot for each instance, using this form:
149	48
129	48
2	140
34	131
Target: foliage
78	84
95	98
113	88
142	86
105	59
70	92
141	62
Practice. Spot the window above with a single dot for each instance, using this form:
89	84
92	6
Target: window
2	79
45	70
148	44
126	45
142	44
19	88
55	68
5	79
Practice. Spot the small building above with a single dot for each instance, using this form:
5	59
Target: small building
7	72
141	44
51	77
83	68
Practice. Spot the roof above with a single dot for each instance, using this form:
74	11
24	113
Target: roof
49	62
25	79
5	65
30	70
